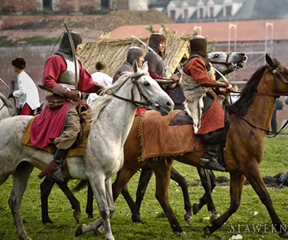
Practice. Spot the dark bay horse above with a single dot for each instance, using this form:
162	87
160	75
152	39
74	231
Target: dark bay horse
223	62
249	119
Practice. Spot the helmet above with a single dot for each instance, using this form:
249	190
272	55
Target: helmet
155	39
198	45
65	46
134	53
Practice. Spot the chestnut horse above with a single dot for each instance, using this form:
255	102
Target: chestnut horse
249	119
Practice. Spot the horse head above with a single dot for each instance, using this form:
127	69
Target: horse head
227	62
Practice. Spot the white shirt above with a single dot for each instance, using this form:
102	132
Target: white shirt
28	92
100	78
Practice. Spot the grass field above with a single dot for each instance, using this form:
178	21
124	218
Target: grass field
251	220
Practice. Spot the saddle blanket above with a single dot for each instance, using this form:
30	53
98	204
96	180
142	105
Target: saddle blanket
167	136
73	152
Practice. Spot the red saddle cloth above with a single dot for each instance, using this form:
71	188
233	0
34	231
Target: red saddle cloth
167	136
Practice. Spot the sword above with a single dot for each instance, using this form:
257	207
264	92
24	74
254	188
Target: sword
73	53
159	57
6	84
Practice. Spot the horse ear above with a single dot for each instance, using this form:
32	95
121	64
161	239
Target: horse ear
135	66
145	66
269	60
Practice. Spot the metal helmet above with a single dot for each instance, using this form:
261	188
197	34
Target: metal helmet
155	39
134	53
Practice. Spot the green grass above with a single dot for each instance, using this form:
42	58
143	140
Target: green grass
156	225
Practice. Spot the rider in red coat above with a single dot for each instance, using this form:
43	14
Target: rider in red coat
61	126
213	123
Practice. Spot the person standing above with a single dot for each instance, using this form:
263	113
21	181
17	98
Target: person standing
210	121
55	125
99	77
156	69
27	93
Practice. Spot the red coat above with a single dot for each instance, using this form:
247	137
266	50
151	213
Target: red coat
49	124
213	118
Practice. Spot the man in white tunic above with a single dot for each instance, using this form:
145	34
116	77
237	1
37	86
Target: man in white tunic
27	93
100	77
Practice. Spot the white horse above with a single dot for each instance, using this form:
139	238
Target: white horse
6	108
112	116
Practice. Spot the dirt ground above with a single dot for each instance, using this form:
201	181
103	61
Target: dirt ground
88	25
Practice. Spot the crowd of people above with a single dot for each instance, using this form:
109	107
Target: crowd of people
59	121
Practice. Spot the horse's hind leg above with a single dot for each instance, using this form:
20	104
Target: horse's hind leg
20	179
208	181
184	186
256	181
236	186
89	205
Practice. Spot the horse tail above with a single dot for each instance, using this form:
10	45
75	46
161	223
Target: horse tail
81	184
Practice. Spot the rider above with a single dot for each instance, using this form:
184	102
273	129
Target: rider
134	53
61	126
28	93
213	122
156	68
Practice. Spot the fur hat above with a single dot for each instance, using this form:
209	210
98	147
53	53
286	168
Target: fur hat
65	46
134	53
19	63
155	39
198	45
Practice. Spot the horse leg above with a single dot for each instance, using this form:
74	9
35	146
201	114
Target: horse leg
89	205
20	179
45	188
98	185
125	193
184	186
162	174
146	174
256	181
236	186
208	182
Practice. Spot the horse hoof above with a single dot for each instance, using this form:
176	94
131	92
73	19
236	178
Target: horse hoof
90	216
48	220
180	233
137	218
214	216
284	235
99	231
77	215
207	232
79	231
195	208
188	218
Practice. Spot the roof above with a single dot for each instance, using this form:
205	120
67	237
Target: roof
245	30
114	51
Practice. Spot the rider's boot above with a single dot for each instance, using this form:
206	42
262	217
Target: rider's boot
209	158
55	165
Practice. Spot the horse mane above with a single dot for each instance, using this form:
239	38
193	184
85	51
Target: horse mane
7	103
246	96
106	97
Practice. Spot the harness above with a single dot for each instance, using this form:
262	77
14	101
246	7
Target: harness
134	80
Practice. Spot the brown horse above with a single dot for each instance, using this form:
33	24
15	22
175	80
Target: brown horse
249	118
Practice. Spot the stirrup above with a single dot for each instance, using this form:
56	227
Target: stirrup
57	175
211	164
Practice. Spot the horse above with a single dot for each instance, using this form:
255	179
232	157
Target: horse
6	108
223	62
249	119
111	120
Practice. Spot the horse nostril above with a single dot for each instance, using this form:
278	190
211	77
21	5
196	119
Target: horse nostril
242	54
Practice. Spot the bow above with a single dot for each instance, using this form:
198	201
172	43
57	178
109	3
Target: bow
73	54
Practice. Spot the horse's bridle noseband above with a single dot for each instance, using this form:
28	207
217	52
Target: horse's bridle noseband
135	79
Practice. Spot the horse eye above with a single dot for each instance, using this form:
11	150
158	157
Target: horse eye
216	55
146	84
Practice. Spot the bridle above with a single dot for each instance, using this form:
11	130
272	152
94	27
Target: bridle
274	71
229	65
134	80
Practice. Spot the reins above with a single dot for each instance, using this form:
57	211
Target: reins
135	83
275	74
229	65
